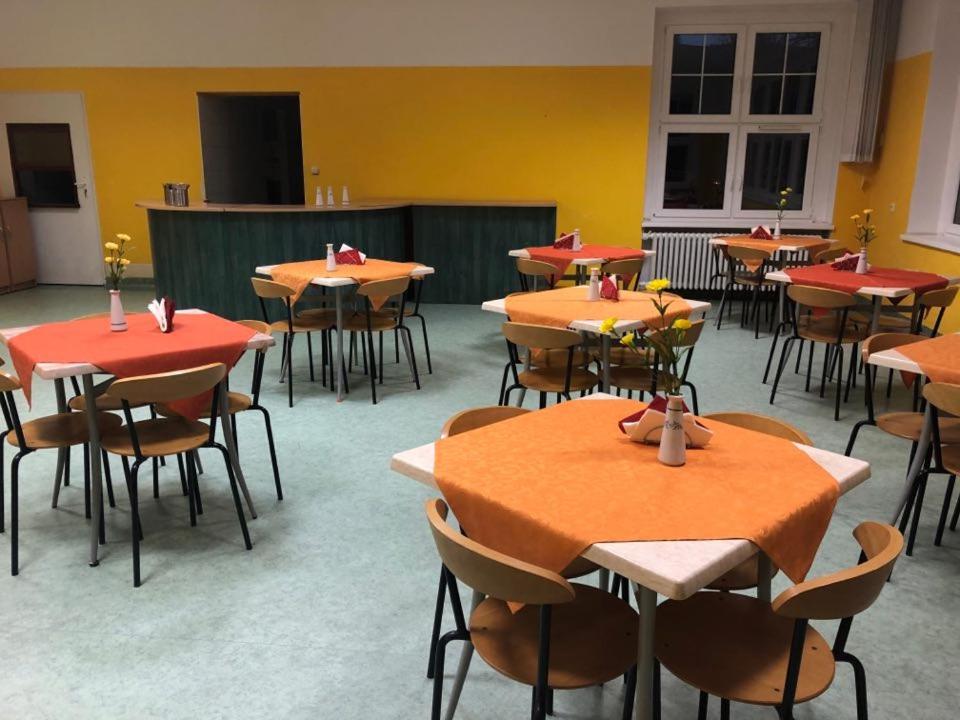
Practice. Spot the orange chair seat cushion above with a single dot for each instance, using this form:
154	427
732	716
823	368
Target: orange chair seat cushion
735	647
592	640
62	430
159	437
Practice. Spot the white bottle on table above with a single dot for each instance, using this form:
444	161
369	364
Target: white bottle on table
331	258
345	197
330	202
593	289
577	246
319	199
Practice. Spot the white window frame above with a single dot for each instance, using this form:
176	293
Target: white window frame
825	124
731	130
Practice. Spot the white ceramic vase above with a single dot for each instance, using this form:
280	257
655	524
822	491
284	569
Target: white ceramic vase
118	321
673	440
776	230
862	265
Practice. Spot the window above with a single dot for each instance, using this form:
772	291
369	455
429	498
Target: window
41	157
738	116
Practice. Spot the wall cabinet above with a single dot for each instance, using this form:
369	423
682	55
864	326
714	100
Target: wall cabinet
18	260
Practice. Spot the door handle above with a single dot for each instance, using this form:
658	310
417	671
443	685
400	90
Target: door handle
81	186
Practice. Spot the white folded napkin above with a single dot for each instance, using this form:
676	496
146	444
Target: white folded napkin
158	309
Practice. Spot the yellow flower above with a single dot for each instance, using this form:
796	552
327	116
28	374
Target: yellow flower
628	340
123	236
607	325
108	259
111	246
658	285
124	261
682	324
855	217
867	211
789	189
784	192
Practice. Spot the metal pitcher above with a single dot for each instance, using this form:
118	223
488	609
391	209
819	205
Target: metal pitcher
175	194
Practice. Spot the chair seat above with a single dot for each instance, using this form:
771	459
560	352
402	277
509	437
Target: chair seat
236	402
321	314
592	639
735	647
556	357
907	425
744	576
159	437
378	323
62	430
825	330
887	321
631	377
624	356
745	279
79	403
303	324
552	379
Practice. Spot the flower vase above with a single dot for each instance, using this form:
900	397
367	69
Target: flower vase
776	230
118	321
673	440
862	262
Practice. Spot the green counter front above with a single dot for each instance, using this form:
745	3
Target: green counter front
204	256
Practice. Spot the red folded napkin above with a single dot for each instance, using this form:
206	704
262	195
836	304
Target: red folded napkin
609	289
564	242
349	257
761	233
170	309
847	262
659	403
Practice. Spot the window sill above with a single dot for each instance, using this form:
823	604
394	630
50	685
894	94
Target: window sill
937	241
732	224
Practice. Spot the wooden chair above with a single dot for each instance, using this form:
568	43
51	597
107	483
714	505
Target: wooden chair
744	650
927	303
532	272
462	422
943	398
746	575
629	268
238	402
739	272
412	311
561	378
828	255
370	321
59	431
567	636
647	378
291	326
176	435
833	329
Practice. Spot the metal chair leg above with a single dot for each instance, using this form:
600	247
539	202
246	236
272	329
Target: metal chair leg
917	509
948	496
236	496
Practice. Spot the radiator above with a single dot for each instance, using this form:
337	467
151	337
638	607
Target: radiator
687	258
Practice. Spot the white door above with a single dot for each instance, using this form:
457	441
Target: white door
66	230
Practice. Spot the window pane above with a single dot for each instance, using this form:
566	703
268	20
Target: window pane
765	95
684	95
956	210
769	50
41	158
720	54
717	92
688	54
696	171
803	50
773	162
798	94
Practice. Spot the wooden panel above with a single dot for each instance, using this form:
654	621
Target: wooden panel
18	235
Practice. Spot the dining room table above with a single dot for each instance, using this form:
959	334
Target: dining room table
633	311
150	351
340	280
691	528
587	256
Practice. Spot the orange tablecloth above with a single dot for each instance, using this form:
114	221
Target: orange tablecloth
849	281
561	259
197	339
939	358
510	493
299	275
812	245
562	306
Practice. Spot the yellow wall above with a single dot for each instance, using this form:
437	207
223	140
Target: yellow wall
890	180
574	135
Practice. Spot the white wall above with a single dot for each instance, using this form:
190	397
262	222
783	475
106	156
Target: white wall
918	21
303	33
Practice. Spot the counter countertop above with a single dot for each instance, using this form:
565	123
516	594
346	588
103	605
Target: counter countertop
377	204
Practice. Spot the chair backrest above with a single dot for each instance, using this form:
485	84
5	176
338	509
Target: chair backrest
751	255
526	266
627	266
817	297
167	387
9	383
828	255
540	336
850	591
271	289
941	298
385	288
885	341
490	572
943	396
478	417
763	424
257	325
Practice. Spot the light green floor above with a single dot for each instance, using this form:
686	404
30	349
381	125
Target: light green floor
328	616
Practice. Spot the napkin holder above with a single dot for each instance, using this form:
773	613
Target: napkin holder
646	426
